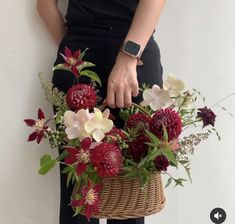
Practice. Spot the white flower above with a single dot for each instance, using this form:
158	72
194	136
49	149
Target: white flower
74	123
172	85
185	101
156	97
99	124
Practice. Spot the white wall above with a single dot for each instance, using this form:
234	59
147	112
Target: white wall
196	39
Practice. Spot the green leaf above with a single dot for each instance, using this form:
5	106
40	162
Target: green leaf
69	177
79	180
77	210
179	182
123	114
127	168
168	182
170	156
83	53
132	162
46	164
153	137
153	154
142	162
189	175
74	142
150	144
183	162
92	75
90	168
93	177
132	174
85	64
144	180
67	169
62	156
61	67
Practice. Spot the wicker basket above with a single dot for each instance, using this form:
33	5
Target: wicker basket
122	198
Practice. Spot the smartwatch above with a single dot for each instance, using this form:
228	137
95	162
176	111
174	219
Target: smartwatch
131	48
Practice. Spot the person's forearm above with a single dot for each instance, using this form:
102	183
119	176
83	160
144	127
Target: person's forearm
52	18
145	20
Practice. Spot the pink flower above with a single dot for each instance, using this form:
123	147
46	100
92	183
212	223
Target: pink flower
79	156
90	199
175	145
39	124
72	60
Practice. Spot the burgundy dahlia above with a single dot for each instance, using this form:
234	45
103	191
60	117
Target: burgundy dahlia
107	159
81	96
137	148
170	119
161	163
138	120
207	115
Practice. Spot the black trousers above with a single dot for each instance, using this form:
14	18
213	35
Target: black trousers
103	42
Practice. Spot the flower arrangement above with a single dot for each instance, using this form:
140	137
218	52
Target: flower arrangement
92	148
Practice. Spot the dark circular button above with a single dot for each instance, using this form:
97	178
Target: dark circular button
218	215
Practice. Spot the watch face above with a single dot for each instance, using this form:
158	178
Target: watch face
132	48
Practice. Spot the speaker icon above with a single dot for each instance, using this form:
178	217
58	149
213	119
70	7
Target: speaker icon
218	215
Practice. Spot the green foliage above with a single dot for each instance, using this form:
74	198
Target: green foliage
53	95
85	64
154	139
70	170
170	156
46	164
168	182
74	142
61	67
62	155
92	75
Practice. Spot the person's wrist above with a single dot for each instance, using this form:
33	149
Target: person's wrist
127	59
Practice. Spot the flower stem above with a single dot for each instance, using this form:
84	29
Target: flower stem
141	109
223	99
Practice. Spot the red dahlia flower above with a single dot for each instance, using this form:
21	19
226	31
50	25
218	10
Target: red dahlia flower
138	120
90	199
161	163
39	124
79	156
72	60
81	96
137	148
170	119
207	115
107	159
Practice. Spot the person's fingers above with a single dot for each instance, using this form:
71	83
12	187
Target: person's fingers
119	94
105	101
110	99
127	97
135	89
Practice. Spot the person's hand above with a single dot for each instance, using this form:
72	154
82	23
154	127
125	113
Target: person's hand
122	82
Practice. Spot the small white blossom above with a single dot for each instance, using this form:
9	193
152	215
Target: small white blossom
74	123
156	97
99	124
173	86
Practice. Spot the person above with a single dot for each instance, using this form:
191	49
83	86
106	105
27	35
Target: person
119	35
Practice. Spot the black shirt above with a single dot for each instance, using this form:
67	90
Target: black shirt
100	11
